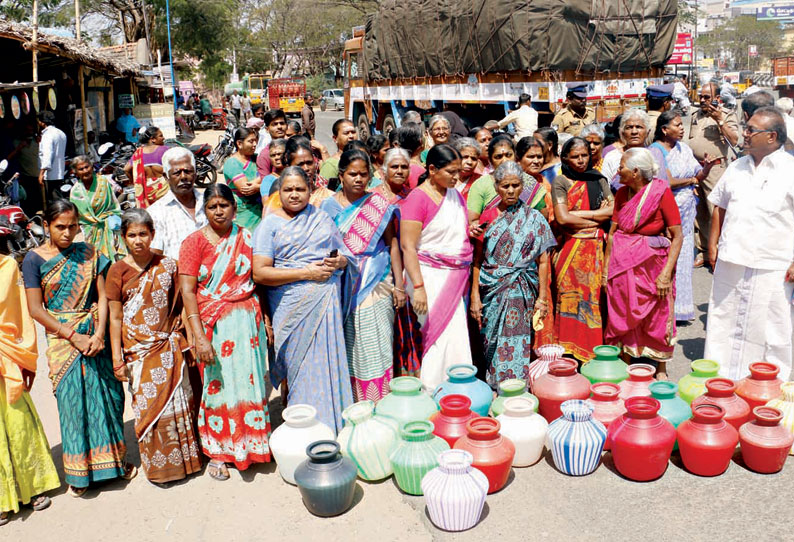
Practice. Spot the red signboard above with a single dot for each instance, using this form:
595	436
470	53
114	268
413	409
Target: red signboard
682	52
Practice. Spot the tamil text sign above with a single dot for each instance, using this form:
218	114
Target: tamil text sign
682	52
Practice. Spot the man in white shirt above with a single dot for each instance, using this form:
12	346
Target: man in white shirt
524	118
750	309
180	212
52	152
236	103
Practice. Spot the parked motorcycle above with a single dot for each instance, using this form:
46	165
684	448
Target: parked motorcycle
18	233
224	148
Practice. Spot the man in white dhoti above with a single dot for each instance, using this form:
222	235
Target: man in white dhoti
750	309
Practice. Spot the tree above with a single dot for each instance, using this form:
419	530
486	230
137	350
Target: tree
732	39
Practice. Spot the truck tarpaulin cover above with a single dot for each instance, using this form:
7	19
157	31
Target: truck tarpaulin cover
425	38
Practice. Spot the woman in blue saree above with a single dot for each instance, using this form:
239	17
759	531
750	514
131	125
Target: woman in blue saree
65	290
686	172
364	220
510	262
300	255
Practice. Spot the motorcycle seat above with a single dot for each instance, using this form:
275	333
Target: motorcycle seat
200	150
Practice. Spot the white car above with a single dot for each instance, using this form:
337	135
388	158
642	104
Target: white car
333	99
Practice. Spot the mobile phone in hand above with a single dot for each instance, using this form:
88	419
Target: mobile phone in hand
334	253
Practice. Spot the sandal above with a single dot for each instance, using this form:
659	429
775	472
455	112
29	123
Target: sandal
5	517
218	471
40	503
130	471
77	492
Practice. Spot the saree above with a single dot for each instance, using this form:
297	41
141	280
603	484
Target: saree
533	194
308	317
233	419
369	328
90	399
578	266
26	467
96	206
509	286
682	163
154	346
639	321
445	255
147	190
249	208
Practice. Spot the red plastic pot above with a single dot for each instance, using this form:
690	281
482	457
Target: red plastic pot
721	391
765	443
639	381
761	386
706	441
560	384
450	422
607	405
641	440
493	454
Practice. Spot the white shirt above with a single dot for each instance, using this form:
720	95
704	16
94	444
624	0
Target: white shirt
526	120
789	127
680	94
52	153
235	100
264	140
173	223
758	230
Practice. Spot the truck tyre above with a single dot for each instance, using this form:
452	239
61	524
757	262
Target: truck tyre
363	127
388	125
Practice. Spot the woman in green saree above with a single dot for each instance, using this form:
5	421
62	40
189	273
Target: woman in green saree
65	290
99	210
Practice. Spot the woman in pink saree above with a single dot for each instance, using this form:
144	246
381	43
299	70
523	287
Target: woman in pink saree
434	236
642	250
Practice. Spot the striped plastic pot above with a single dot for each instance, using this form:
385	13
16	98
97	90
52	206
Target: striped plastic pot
576	439
455	491
368	440
416	455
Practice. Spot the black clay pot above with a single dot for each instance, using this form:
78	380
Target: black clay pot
326	480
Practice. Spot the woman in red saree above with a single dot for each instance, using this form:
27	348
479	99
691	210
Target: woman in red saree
582	204
640	291
145	167
148	344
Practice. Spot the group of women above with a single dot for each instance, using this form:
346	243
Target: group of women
329	295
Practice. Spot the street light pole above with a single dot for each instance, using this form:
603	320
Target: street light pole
170	57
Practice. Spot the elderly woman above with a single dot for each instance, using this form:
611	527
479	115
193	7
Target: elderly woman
640	263
437	253
469	151
364	220
65	290
686	173
634	126
229	338
241	175
145	167
551	157
483	195
276	151
28	471
298	152
511	266
594	135
439	131
407	335
299	255
99	210
582	204
148	344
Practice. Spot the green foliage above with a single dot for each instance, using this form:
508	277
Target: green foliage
732	39
688	13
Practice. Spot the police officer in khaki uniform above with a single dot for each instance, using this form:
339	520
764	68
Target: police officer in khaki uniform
713	130
658	99
575	115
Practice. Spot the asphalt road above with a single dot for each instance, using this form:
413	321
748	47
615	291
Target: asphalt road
539	503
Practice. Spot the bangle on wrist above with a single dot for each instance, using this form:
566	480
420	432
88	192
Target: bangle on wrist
69	338
418	286
195	314
399	289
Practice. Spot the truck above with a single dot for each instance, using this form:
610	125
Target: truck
257	87
783	76
287	94
476	58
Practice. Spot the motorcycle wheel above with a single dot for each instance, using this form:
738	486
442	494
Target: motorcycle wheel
206	174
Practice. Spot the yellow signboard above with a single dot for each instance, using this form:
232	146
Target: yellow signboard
706	63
